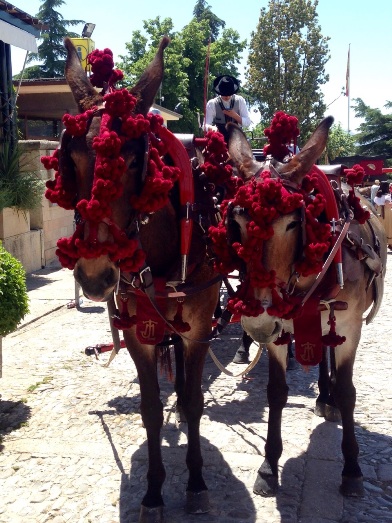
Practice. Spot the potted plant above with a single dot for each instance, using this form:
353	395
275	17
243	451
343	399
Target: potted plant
20	190
13	294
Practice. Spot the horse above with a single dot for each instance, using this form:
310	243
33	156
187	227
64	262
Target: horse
134	215
303	255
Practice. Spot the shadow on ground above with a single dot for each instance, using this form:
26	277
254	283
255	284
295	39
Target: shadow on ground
12	415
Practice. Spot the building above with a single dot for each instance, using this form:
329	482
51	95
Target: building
42	103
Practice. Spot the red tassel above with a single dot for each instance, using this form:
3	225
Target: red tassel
124	321
284	339
332	339
178	324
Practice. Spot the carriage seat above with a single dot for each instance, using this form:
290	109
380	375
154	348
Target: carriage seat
258	155
187	141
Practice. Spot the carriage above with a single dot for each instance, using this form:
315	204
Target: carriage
160	231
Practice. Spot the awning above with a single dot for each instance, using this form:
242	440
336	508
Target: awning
12	35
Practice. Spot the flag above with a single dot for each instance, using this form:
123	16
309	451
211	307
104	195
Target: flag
347	93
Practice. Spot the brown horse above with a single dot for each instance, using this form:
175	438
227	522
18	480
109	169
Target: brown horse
188	303
364	260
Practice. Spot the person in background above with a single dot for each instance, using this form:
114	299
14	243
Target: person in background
382	197
383	204
373	190
226	107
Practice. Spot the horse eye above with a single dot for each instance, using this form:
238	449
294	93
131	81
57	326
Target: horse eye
133	163
292	225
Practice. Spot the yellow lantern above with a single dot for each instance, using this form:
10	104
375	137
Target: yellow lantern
83	46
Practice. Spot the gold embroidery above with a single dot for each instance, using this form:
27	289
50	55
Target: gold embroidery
307	353
149	329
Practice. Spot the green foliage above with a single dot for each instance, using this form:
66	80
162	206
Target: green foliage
340	143
202	11
256	136
51	51
286	63
13	292
375	132
18	188
185	60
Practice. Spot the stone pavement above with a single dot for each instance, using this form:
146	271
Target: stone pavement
73	447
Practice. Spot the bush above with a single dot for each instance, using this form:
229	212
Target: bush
18	188
13	292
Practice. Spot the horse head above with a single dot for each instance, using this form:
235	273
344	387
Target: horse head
268	215
103	160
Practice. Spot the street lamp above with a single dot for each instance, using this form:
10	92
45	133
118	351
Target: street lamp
88	30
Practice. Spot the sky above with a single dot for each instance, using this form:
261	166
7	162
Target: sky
346	22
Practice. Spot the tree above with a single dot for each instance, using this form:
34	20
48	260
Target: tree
340	143
375	132
185	60
202	11
286	63
51	51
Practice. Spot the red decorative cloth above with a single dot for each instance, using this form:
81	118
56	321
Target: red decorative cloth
307	334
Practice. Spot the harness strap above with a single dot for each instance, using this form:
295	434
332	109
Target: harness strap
329	260
187	192
368	254
223	369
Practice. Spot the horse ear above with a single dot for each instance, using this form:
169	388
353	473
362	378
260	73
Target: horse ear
302	162
83	91
148	84
241	153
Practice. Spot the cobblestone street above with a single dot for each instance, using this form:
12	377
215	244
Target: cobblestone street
73	448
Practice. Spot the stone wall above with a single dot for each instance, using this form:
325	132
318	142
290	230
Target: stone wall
35	247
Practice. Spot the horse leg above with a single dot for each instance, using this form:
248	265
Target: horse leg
345	396
197	501
151	407
332	413
277	391
290	354
242	354
179	383
323	385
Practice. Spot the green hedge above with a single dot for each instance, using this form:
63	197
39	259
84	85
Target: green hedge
13	292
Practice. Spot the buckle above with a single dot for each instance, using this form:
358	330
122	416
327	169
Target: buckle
144	275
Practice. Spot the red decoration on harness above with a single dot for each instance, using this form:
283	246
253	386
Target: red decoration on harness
307	334
332	339
102	67
283	131
354	177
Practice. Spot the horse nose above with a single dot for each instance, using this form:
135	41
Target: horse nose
263	328
99	287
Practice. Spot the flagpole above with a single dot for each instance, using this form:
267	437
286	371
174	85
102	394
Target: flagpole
348	89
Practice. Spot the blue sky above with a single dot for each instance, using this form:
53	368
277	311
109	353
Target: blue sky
344	21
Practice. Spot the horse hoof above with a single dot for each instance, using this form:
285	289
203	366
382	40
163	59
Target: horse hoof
319	409
180	416
197	502
352	487
332	413
151	515
265	484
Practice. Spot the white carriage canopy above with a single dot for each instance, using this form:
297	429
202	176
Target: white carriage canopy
19	29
